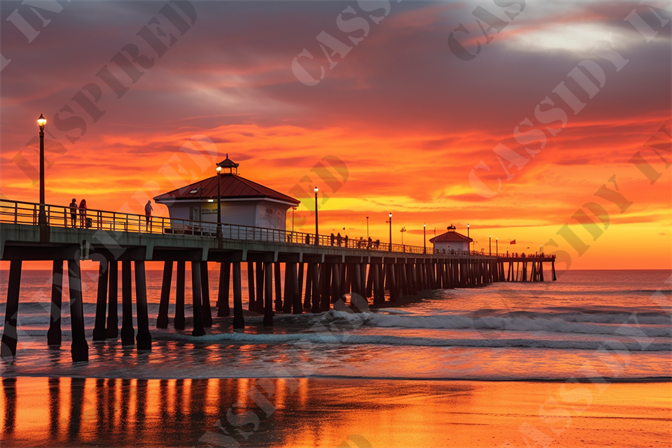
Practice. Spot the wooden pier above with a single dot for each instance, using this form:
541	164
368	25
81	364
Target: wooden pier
318	272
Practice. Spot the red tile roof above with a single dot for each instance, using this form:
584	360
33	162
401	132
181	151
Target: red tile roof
450	237
231	185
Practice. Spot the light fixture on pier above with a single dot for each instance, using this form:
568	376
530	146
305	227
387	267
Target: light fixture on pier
490	245
390	221
219	202
316	225
497	246
42	218
424	236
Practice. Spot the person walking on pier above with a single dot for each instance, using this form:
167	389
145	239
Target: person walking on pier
346	240
332	238
307	238
339	239
148	214
82	213
73	213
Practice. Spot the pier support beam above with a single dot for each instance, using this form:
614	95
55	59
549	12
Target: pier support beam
309	286
178	322
268	295
80	348
197	306
54	333
297	308
278	287
259	302
287	304
250	287
162	318
223	308
205	295
101	302
112	330
144	338
127	331
238	320
9	333
315	274
325	282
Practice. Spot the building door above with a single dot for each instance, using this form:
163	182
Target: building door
195	213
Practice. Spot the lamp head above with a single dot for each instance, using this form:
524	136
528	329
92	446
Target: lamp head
489	236
315	189
390	215
219	169
424	225
41	122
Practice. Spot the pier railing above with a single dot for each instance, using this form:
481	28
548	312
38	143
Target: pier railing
27	213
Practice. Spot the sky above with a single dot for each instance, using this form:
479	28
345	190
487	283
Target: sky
408	106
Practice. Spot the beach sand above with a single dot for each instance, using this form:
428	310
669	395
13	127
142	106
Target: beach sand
333	413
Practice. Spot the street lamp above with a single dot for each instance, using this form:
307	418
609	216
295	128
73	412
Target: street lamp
390	221
219	202
42	218
316	227
540	250
424	236
490	244
367	227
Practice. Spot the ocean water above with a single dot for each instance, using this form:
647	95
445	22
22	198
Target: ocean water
588	325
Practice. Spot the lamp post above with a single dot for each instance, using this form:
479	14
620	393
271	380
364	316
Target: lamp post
367	227
424	236
469	242
293	209
497	246
540	250
390	221
317	243
490	244
41	217
219	203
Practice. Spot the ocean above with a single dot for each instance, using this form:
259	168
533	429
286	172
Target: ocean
507	346
504	331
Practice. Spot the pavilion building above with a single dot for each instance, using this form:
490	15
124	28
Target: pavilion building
243	202
451	240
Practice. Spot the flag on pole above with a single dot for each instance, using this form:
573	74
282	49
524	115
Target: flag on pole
513	242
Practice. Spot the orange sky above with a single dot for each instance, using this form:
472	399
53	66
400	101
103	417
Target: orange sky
408	118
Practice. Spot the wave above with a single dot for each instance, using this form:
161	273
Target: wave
330	338
527	324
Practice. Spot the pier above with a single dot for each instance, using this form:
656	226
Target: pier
317	270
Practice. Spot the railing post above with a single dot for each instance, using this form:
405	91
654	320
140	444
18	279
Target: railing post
16	213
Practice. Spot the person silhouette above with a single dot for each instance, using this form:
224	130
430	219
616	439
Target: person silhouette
82	213
73	212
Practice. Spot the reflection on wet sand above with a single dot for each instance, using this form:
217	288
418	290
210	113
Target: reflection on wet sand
329	413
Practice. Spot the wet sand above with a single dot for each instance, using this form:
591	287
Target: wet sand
332	413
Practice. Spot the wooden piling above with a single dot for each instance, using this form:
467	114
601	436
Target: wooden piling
112	329
144	338
325	281
250	287
79	348
238	320
259	302
101	302
127	331
309	286
54	333
287	303
553	270
196	299
268	295
178	322
205	295
9	332
223	307
315	274
278	287
162	317
297	306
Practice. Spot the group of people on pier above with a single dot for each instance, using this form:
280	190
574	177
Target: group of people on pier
83	221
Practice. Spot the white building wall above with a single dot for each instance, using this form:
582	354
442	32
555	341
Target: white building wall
448	246
248	213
